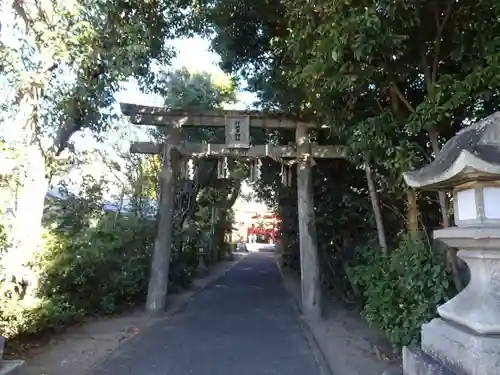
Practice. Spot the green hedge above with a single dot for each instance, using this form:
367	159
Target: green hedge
402	289
99	270
102	268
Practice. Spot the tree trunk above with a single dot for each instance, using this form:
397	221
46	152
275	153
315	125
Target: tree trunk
412	212
33	187
28	223
120	205
382	240
215	218
443	203
451	253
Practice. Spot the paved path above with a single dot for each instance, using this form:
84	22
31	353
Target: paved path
243	324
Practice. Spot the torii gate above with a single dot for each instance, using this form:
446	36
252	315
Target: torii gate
237	144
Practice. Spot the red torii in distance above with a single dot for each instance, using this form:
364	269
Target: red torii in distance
271	229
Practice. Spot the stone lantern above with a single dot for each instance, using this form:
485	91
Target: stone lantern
465	339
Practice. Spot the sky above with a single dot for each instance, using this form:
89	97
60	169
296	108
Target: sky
193	54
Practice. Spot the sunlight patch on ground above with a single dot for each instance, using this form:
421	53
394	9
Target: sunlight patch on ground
255	247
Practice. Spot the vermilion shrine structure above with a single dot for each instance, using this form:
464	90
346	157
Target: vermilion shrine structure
177	153
270	229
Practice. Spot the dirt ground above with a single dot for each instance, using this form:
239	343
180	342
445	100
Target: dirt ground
349	346
81	348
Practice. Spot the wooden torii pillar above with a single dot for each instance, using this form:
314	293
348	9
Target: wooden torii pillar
160	265
237	124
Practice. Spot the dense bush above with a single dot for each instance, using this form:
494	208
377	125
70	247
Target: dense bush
92	263
33	316
102	268
402	289
99	270
183	268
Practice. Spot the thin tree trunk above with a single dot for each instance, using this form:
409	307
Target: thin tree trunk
451	253
120	206
215	217
443	202
412	212
430	76
382	240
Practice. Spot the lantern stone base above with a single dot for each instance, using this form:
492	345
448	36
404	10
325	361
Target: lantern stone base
417	362
462	351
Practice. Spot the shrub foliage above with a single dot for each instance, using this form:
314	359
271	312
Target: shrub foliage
92	263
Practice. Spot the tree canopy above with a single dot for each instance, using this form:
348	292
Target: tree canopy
65	60
391	80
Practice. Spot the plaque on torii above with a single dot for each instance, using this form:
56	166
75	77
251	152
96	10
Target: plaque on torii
237	138
237	144
237	131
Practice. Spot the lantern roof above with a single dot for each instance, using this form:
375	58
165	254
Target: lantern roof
473	154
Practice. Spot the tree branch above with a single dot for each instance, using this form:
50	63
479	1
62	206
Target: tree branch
438	39
402	97
19	9
51	68
425	69
234	195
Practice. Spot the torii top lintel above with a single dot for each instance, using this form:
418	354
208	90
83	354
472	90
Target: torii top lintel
161	116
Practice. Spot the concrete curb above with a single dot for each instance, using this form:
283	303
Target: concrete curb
171	311
318	353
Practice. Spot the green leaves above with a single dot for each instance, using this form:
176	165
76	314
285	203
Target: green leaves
200	90
403	289
111	258
468	94
379	75
81	51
